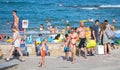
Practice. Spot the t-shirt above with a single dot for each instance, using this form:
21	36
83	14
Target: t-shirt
95	29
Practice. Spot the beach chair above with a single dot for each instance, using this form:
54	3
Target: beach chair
29	40
38	50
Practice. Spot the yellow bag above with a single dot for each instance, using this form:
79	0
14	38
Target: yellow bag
91	43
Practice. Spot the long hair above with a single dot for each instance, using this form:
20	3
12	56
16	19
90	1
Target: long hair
102	27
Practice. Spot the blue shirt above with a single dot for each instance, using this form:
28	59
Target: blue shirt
95	29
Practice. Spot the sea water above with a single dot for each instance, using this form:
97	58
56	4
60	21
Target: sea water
58	12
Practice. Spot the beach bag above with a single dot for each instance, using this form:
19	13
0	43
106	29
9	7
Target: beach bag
109	33
100	49
91	44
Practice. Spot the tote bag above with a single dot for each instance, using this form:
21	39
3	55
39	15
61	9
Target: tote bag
109	33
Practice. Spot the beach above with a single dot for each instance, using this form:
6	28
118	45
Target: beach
97	62
54	27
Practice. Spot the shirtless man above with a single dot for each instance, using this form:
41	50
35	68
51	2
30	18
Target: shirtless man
81	33
15	19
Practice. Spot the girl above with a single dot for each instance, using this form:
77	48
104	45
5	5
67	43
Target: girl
43	53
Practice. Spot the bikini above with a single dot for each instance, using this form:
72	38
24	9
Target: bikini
72	43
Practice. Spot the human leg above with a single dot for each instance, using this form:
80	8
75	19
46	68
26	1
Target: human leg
21	55
11	52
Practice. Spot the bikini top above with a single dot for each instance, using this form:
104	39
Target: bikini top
73	37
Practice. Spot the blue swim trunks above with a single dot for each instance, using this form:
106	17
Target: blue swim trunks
66	49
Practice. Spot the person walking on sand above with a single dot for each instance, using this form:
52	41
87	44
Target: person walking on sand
73	38
82	36
66	47
43	53
106	40
95	34
16	41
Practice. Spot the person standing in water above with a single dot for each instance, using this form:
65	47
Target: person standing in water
16	41
73	38
43	53
82	36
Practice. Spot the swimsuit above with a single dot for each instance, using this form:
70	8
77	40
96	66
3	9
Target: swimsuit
72	43
43	53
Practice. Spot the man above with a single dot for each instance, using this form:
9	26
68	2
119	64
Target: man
95	34
82	35
15	20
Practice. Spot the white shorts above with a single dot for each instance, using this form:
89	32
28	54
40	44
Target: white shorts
17	43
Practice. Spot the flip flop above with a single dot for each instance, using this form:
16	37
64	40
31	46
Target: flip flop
22	60
7	60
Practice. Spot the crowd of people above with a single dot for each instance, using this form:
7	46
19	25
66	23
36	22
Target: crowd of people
72	36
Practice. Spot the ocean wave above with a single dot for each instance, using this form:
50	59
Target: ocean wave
90	8
109	6
93	7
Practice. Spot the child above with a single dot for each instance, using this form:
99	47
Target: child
43	53
66	47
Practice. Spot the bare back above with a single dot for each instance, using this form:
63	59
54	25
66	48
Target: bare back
43	46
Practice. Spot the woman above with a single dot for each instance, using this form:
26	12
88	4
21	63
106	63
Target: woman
43	52
72	38
16	41
105	39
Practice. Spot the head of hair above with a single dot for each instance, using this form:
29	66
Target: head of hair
102	27
72	28
66	35
105	20
15	11
40	34
44	39
96	21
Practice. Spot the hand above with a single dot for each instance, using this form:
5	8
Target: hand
95	39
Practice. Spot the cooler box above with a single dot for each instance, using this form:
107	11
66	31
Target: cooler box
100	49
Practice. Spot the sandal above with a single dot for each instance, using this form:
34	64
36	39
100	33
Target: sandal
40	65
7	60
22	60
